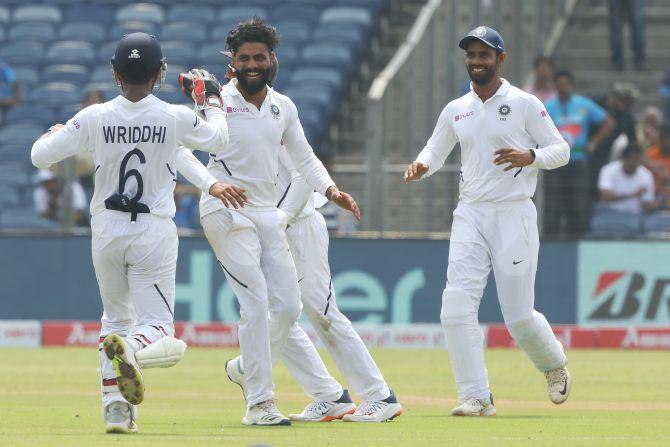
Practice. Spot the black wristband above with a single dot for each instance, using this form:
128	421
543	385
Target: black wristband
532	152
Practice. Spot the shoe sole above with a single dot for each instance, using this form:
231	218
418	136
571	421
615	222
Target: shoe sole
120	430
283	422
128	377
236	383
565	396
390	418
295	417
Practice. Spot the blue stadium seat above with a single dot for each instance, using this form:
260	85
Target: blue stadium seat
210	53
71	51
105	53
221	30
657	224
350	34
176	52
67	112
287	56
23	134
102	73
35	31
121	29
307	95
9	196
29	113
292	32
305	13
216	67
330	78
173	71
75	74
183	31
89	13
191	12
27	74
108	89
145	12
5	16
242	13
57	93
329	55
608	223
170	93
347	14
22	53
373	6
38	13
3	33
25	217
15	174
87	31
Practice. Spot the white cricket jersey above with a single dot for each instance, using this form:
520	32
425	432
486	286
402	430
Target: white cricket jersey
136	148
294	195
511	118
250	160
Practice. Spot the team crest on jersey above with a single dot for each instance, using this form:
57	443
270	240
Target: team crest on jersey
503	111
275	111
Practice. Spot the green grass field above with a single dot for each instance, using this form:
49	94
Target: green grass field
50	397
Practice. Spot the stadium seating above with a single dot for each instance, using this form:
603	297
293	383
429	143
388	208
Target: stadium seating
608	223
657	224
61	50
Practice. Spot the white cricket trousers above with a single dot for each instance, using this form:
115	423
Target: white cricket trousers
135	265
308	240
502	237
252	250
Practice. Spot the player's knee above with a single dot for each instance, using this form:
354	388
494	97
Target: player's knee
457	307
289	310
525	328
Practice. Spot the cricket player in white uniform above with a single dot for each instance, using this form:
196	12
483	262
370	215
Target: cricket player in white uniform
505	136
135	139
250	244
308	240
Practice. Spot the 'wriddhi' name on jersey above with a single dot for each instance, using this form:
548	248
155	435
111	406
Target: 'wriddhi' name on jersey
134	134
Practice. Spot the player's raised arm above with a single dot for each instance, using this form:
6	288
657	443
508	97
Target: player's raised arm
194	132
62	141
436	151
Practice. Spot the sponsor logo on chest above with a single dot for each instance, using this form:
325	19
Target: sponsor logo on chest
244	109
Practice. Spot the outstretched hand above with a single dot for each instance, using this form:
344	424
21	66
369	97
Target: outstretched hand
229	193
344	201
415	171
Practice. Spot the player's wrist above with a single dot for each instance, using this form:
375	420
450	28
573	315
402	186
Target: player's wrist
330	191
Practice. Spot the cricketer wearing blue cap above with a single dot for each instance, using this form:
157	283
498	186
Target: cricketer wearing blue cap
506	137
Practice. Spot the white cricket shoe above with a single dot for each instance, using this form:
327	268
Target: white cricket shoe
128	375
559	383
326	411
119	418
265	413
475	407
376	410
236	374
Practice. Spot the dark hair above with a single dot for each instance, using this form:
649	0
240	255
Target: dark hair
543	60
564	74
632	149
254	30
665	130
136	74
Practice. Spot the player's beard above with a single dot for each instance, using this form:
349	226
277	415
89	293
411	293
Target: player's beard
256	84
482	78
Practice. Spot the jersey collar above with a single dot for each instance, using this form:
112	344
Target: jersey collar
502	90
141	103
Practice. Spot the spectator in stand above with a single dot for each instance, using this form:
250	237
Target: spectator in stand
567	188
10	90
658	161
543	85
632	11
649	127
664	91
620	103
627	186
48	198
186	199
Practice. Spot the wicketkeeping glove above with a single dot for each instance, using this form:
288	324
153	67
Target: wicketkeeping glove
202	87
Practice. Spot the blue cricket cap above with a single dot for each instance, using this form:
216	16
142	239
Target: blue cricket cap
487	36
